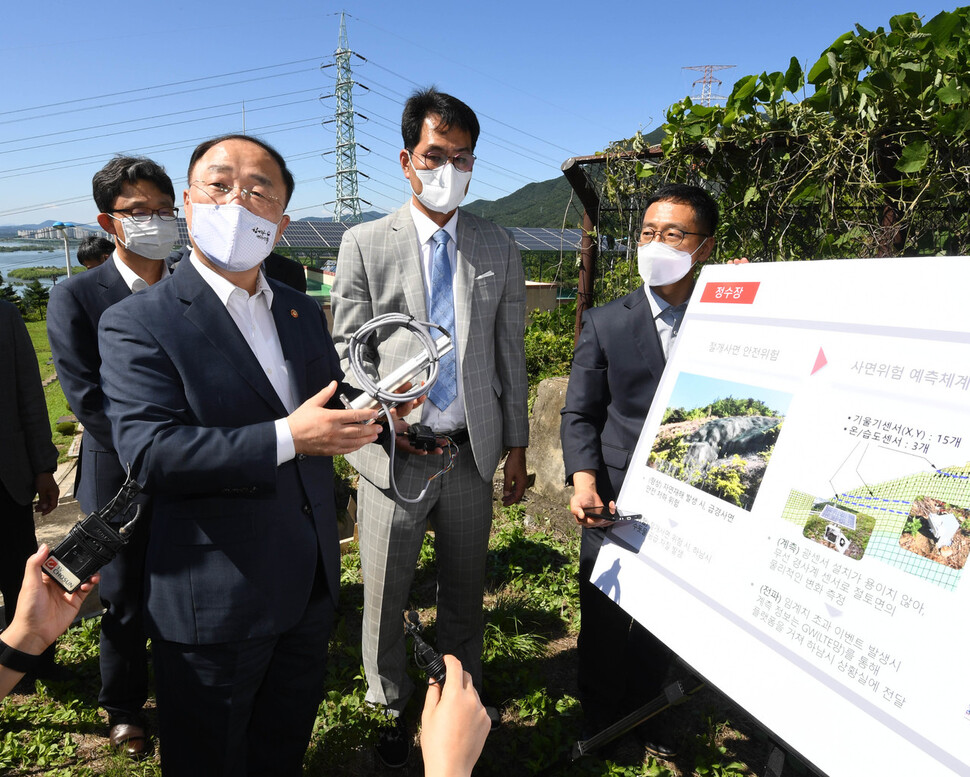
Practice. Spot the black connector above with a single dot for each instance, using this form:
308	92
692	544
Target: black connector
422	437
426	657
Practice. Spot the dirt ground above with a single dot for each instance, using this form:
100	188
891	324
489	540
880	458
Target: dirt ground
924	544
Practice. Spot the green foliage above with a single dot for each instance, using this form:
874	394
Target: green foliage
710	757
725	481
671	449
873	162
53	394
39	733
913	525
34	301
549	344
722	408
35	273
531	601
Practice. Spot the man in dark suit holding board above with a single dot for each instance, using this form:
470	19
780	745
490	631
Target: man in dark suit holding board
136	201
619	358
219	386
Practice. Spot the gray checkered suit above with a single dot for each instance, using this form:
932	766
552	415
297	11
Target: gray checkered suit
379	271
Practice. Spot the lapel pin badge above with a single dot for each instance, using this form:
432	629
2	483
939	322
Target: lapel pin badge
294	313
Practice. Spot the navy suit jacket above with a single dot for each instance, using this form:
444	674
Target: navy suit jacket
616	368
26	449
73	312
235	540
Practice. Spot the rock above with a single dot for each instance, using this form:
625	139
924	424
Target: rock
545	451
722	438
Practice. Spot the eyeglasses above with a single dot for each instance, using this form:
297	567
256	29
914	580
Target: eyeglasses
221	193
670	236
464	161
145	214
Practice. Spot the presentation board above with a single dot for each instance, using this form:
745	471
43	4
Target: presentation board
804	480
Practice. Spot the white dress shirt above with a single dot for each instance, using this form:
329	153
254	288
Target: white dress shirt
667	319
453	417
133	280
254	319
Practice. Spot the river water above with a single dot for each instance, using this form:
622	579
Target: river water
32	257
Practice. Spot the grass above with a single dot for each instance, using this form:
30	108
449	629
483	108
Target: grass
56	401
529	666
531	622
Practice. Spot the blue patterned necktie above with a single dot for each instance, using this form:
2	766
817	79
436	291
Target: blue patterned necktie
445	390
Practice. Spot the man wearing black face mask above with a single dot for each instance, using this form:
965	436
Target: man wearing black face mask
137	203
620	356
222	391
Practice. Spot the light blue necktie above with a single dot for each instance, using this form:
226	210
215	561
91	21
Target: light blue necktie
445	390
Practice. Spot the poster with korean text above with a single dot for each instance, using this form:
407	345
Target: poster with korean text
804	481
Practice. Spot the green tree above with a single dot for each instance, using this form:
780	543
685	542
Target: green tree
865	154
8	294
35	300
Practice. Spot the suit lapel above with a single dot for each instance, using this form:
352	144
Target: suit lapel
288	329
405	255
113	286
643	327
206	311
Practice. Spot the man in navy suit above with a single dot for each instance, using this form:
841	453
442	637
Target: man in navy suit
28	458
137	203
221	389
619	358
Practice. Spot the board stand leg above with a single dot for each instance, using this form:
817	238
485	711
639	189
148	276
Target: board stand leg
776	762
671	696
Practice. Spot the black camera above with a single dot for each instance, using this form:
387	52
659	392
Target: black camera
94	541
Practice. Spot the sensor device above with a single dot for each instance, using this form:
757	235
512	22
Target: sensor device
406	373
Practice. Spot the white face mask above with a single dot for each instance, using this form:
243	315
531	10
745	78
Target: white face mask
443	188
232	237
152	239
661	265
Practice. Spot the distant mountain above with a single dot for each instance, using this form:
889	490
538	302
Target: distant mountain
11	231
542	204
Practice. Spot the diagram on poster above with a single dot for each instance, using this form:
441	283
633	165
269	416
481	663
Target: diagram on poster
804	479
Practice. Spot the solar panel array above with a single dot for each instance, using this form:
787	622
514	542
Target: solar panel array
541	239
325	234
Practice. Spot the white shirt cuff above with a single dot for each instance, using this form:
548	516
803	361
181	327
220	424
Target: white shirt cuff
285	447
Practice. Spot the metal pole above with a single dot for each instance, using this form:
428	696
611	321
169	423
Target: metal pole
67	254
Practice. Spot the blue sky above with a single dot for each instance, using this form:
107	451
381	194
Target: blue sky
693	391
548	81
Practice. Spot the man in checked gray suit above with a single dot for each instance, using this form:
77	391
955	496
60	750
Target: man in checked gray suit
434	262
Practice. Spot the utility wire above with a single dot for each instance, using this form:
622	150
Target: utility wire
163	86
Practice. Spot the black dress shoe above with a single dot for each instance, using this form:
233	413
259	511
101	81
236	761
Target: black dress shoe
659	749
656	740
394	745
129	735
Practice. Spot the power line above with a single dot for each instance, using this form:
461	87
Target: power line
161	86
160	116
155	97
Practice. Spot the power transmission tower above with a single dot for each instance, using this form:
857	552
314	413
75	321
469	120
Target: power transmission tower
347	203
707	81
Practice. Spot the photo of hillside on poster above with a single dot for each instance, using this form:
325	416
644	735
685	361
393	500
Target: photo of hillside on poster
718	436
